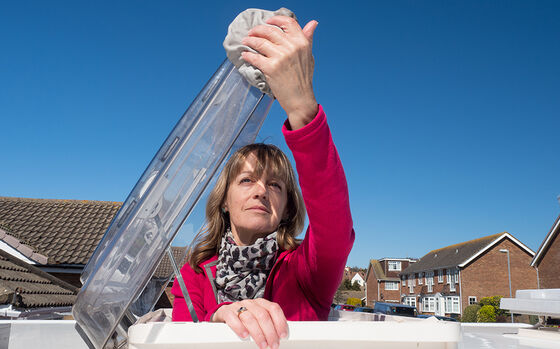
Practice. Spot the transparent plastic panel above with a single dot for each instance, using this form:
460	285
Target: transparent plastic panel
226	114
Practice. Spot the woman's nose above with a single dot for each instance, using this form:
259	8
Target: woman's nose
260	190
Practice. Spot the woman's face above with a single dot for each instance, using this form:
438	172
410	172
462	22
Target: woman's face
255	205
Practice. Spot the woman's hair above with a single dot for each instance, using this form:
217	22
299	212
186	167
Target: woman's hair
207	242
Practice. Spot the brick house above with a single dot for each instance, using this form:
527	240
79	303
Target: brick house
547	260
382	280
446	280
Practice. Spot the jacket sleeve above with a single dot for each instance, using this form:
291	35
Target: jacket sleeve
321	258
180	309
193	282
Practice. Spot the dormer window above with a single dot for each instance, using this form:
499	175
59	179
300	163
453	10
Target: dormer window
394	265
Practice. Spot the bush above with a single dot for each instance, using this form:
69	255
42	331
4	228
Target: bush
486	314
502	315
470	313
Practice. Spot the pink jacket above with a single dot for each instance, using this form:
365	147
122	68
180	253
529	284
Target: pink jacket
302	281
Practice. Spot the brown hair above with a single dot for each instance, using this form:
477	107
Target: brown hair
207	242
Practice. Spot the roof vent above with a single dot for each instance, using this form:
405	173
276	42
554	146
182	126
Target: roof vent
435	255
456	250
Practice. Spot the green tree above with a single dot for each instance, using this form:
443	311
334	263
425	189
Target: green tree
356	286
486	314
346	284
470	313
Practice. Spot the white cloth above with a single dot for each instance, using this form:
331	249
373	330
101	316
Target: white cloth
237	30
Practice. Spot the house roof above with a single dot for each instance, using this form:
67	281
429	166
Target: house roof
552	234
378	271
461	254
64	231
32	287
165	269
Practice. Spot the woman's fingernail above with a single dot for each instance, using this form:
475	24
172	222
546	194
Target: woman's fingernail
283	335
263	345
244	334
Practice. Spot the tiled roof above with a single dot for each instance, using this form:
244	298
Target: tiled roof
164	268
379	273
26	286
66	231
451	256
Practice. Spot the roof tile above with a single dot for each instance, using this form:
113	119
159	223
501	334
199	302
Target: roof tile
57	228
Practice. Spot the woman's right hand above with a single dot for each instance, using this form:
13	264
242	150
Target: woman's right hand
263	320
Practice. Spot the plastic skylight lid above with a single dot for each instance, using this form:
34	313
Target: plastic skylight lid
544	302
226	115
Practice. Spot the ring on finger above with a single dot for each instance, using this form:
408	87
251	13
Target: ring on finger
241	310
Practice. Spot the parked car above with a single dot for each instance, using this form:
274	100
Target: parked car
395	309
364	309
439	317
345	307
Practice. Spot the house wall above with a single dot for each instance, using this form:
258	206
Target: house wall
422	290
371	288
549	274
388	295
488	275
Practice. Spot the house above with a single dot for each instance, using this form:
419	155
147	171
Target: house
30	293
382	279
358	278
547	260
56	236
446	280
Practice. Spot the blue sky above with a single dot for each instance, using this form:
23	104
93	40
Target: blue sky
445	113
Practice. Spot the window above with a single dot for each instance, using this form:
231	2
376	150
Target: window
410	301
452	278
394	265
430	281
420	277
390	285
452	305
411	283
429	304
440	276
472	300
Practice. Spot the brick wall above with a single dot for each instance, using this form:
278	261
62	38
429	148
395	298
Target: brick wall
389	295
371	288
549	270
488	275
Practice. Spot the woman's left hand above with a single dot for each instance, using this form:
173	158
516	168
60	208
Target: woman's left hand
287	62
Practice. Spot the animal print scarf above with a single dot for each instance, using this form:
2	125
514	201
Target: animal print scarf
242	271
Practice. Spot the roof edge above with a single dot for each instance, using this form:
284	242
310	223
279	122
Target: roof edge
26	250
546	242
36	270
490	245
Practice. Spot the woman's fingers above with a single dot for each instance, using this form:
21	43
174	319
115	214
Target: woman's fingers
263	320
271	33
287	24
258	322
277	315
309	29
261	45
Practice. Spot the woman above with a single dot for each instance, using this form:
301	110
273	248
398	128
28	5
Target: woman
247	269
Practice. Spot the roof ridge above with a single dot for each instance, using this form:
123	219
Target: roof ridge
15	199
467	242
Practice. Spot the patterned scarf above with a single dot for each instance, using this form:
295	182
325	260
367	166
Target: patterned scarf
242	271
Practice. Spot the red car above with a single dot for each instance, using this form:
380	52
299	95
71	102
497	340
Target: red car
344	307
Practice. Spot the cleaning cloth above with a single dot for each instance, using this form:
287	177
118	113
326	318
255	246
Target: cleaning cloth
237	30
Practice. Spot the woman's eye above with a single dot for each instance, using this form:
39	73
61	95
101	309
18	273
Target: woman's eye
245	180
277	185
